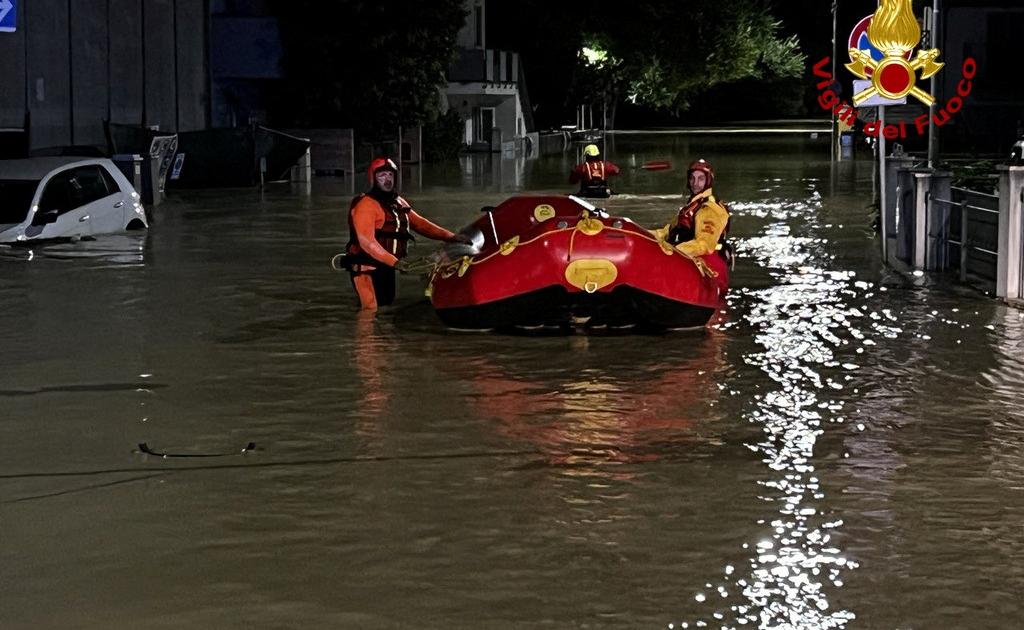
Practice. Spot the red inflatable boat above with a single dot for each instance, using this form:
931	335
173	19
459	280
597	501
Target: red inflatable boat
559	261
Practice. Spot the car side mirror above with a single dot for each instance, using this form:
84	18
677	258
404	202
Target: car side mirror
46	216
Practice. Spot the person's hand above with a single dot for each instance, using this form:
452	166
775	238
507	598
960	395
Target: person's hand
403	266
461	238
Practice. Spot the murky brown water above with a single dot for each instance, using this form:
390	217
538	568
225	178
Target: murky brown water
844	450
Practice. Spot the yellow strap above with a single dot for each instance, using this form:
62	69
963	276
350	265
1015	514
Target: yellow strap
451	267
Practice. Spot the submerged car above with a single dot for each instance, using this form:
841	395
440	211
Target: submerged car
65	197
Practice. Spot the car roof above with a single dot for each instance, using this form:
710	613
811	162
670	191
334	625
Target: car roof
38	168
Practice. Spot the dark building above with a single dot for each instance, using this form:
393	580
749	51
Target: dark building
175	65
245	61
990	32
71	65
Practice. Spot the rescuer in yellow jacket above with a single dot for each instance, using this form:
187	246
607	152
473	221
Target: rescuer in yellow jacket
701	226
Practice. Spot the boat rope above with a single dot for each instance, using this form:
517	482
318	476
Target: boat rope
449	268
419	266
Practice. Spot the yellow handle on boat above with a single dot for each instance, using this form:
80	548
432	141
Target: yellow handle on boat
588	225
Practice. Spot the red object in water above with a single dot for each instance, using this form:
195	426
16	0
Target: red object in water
656	165
559	261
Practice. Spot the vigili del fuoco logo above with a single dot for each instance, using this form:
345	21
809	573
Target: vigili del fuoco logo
881	48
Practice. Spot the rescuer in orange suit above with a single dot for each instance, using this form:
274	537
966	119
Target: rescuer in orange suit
379	223
701	226
593	173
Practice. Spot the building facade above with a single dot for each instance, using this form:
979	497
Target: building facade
69	66
989	32
486	87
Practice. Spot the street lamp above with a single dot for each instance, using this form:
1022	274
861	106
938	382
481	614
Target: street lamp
835	122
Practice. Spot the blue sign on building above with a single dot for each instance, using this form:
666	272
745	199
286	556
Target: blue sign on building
8	16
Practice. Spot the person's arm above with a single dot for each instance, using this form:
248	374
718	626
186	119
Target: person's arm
428	229
709	223
610	169
364	220
576	174
661	233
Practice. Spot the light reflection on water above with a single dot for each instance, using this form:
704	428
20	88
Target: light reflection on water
118	250
801	324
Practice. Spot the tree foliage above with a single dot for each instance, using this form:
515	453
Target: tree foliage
661	54
376	65
371	65
665	53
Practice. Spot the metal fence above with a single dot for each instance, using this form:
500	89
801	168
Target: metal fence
972	245
930	225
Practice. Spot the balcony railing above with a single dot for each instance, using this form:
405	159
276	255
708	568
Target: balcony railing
484	66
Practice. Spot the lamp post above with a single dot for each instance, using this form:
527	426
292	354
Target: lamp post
933	129
835	122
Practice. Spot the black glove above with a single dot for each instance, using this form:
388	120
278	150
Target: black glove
461	238
340	262
403	266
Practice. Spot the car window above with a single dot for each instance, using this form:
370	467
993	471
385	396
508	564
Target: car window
89	185
57	195
15	199
112	186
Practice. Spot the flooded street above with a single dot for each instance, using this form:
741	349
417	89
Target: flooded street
843	449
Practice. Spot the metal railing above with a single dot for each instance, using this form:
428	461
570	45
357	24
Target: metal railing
967	242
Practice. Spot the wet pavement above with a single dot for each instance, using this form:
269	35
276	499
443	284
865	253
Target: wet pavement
842	450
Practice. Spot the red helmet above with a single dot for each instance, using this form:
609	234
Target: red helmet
702	166
379	164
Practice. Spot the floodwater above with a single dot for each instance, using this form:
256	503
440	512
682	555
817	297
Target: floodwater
844	449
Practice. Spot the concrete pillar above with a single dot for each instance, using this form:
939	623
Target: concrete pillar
890	181
1008	266
922	181
303	169
904	238
937	255
930	218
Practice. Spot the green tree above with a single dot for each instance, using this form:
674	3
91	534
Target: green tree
662	54
665	53
368	65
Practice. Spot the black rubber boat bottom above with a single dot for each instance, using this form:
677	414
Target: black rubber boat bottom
596	193
554	306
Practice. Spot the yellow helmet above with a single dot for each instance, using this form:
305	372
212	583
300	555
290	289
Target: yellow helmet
591	150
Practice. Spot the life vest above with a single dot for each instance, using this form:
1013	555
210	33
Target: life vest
685	228
595	173
394	235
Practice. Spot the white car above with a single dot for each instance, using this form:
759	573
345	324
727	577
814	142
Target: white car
65	197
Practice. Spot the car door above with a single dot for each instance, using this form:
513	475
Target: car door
101	197
60	213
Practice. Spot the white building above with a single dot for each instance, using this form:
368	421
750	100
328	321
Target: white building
486	87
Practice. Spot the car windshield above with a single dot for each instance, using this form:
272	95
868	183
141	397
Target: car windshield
15	199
